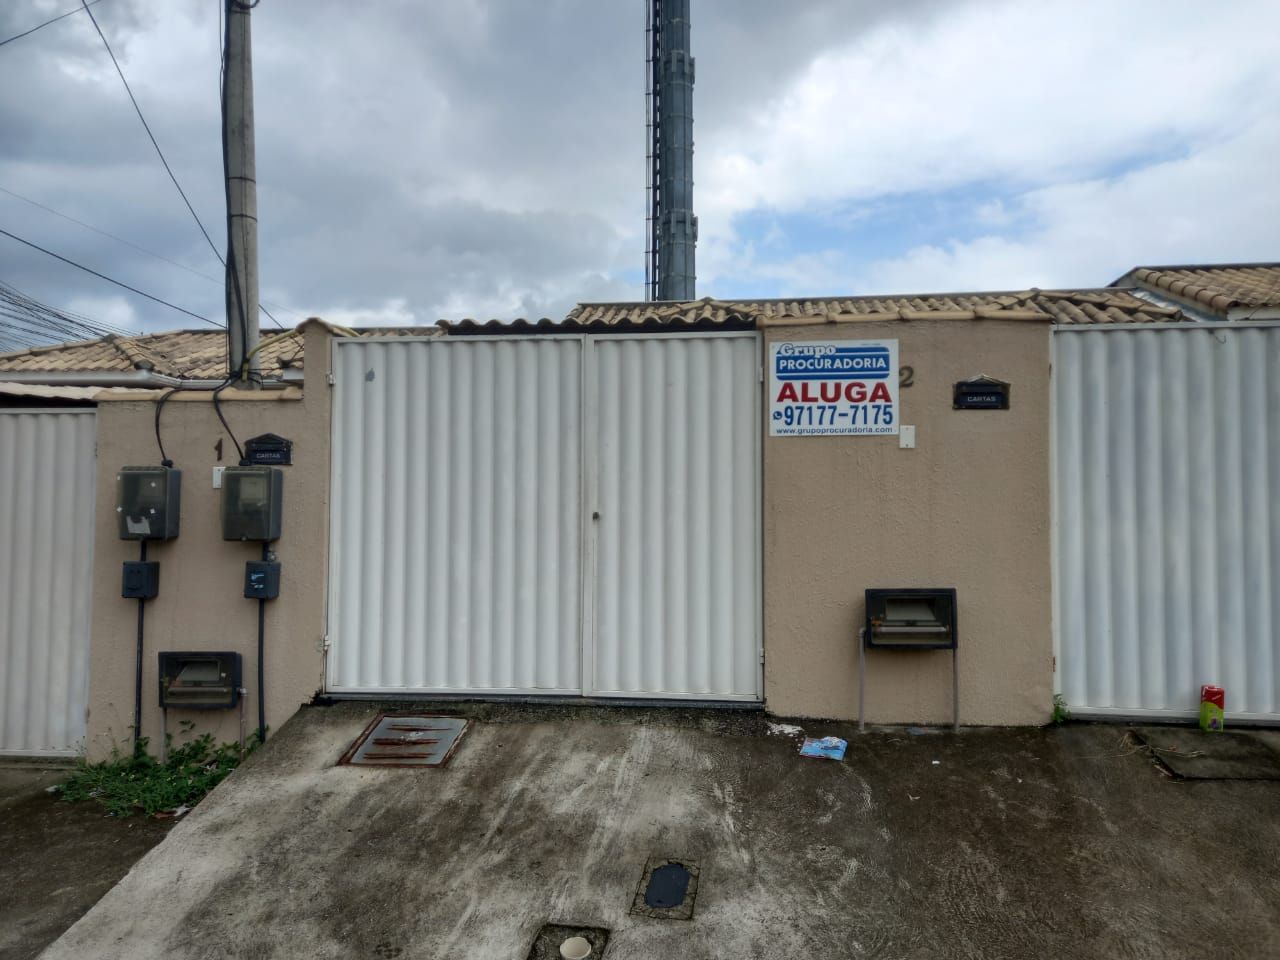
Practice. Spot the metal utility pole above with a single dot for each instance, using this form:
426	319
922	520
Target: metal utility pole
672	227
242	195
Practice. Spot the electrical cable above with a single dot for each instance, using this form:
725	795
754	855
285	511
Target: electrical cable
137	680
27	33
150	135
217	408
164	460
26	322
262	690
134	246
103	276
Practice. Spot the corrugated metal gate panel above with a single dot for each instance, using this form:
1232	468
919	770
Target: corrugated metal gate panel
46	570
674	424
1167	456
455	534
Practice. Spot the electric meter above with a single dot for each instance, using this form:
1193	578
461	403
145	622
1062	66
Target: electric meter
147	502
252	502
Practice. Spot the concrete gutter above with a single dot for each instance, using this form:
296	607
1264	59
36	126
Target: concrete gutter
139	378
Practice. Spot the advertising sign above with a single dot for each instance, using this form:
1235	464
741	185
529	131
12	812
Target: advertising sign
822	388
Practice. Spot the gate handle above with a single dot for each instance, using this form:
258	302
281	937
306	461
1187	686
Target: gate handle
595	515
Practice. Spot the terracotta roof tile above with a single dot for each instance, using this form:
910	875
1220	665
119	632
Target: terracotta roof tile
1055	306
1218	288
201	354
187	354
184	354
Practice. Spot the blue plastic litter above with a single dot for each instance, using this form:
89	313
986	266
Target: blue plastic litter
824	748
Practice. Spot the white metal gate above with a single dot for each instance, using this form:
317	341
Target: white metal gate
47	484
550	515
1167	525
675	435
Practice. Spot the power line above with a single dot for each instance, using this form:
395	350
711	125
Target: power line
131	244
147	127
109	236
26	322
103	276
26	33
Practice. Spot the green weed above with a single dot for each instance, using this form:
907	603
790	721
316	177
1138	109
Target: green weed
1061	712
139	783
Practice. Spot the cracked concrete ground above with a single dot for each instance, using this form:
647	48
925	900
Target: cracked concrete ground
992	843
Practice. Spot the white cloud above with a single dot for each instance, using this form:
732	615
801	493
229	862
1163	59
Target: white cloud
428	159
113	311
1005	95
1220	203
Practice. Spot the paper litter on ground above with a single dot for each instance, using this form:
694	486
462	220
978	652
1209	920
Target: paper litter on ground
784	730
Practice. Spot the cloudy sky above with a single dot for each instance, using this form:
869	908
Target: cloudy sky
420	159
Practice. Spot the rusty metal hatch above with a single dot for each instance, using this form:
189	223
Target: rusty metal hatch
406	740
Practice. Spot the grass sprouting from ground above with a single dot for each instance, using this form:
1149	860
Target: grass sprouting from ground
139	783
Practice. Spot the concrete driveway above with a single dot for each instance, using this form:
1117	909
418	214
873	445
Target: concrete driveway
993	843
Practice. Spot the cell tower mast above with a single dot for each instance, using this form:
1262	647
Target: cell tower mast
672	229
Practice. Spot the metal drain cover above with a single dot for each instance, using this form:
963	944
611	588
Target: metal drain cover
406	740
667	890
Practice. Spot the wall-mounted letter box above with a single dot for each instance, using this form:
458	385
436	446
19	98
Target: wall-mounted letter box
980	393
911	618
199	681
148	500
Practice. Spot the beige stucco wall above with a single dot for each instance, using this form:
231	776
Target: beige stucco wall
201	604
968	507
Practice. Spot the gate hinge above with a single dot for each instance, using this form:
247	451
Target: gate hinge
1055	664
760	374
331	378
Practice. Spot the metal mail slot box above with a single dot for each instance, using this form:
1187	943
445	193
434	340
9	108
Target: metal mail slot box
911	618
200	680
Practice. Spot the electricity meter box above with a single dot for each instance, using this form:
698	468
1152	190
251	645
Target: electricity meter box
148	501
252	503
199	681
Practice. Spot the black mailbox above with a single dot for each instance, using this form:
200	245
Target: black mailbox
980	393
200	680
911	618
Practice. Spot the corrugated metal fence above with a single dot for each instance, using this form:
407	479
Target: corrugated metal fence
1166	461
556	515
46	569
455	540
675	436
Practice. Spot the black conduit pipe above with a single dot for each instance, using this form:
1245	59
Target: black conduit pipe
262	690
137	681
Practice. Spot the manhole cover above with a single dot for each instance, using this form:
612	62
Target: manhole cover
1192	754
546	945
399	740
667	889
